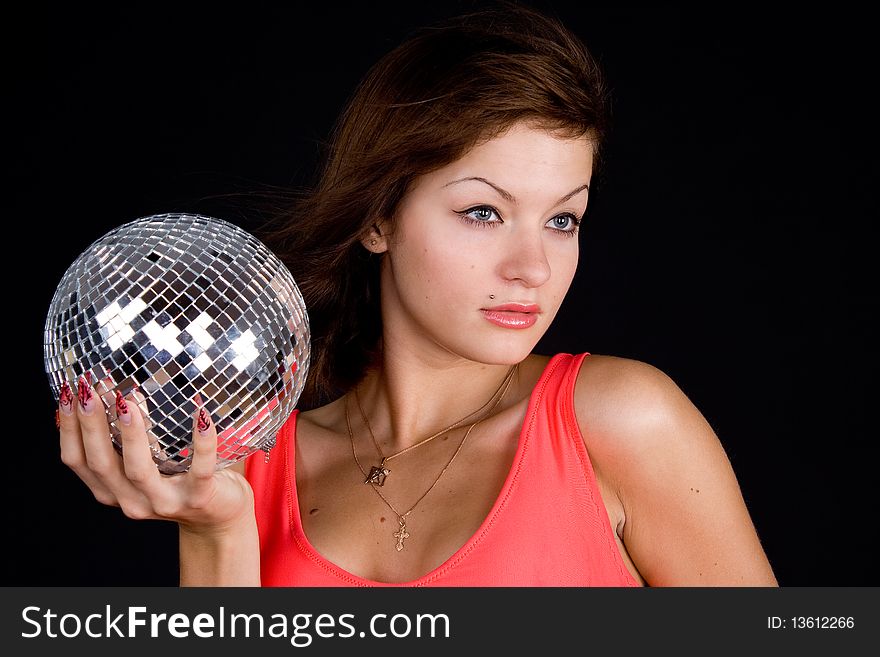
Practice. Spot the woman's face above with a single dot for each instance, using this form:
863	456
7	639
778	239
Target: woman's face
495	228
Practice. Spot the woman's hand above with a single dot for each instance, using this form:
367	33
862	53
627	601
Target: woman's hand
219	542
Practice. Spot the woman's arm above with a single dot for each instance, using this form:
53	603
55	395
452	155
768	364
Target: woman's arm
226	556
686	521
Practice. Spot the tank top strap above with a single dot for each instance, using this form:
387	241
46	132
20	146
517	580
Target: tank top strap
564	397
554	401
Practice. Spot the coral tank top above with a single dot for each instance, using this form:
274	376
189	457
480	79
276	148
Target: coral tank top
547	527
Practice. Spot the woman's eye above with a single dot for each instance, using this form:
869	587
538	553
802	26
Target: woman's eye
481	213
565	222
481	216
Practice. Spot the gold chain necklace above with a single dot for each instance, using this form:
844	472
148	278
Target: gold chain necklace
401	534
378	473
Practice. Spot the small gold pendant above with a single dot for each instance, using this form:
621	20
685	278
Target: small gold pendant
377	474
401	534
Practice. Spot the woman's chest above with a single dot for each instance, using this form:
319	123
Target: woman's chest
432	502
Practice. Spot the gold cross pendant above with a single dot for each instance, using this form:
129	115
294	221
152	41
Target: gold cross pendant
401	534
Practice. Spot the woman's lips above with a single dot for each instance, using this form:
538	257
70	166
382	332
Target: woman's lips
512	315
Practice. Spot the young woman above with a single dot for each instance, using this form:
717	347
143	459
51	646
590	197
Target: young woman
431	446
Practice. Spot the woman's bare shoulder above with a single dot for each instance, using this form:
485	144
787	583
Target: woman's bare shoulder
611	390
628	410
686	521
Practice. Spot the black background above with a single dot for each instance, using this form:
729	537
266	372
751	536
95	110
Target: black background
728	242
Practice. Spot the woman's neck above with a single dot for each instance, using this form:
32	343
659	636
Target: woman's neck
410	396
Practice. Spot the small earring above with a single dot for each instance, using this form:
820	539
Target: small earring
372	242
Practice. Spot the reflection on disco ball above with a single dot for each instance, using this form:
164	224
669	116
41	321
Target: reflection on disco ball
179	305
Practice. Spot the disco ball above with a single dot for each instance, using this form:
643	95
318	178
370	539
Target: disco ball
180	305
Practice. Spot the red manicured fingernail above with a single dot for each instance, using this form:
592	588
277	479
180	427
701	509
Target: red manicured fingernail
84	392
66	399
204	421
122	409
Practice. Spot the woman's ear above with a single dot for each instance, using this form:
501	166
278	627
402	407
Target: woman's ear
376	240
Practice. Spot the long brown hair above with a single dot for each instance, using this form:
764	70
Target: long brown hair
447	88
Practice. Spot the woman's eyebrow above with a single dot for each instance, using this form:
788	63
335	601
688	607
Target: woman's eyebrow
507	196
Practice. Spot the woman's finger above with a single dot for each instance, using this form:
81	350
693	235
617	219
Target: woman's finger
137	459
100	455
72	452
204	462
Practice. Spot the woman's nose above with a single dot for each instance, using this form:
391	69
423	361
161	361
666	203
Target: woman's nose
525	259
